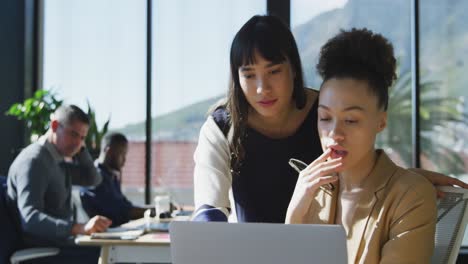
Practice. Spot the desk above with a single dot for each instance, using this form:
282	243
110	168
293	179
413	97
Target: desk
148	248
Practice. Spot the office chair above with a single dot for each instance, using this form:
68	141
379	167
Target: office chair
11	248
452	217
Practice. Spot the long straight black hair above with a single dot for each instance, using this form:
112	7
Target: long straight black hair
273	40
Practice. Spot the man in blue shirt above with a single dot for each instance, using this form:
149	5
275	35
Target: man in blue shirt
107	198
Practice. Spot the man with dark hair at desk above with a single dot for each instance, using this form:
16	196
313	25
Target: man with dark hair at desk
107	198
40	183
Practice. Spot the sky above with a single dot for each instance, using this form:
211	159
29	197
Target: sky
95	50
304	10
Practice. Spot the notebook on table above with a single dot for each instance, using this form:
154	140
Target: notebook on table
229	243
119	233
131	232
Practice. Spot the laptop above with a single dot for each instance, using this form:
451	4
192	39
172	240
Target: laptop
256	243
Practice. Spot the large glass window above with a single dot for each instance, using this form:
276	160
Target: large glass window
95	51
444	111
444	64
313	22
191	42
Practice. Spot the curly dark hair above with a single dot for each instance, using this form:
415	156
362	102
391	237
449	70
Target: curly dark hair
363	55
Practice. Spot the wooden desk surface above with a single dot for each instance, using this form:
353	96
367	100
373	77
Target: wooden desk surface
149	239
153	247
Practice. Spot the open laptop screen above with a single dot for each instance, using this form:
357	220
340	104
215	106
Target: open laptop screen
257	243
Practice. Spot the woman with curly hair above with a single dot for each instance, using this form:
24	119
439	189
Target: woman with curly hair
388	213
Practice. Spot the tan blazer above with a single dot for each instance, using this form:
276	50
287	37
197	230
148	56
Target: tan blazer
394	221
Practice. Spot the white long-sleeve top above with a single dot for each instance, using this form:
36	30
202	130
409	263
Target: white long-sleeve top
212	175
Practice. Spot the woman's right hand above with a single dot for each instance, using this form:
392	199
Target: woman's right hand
309	180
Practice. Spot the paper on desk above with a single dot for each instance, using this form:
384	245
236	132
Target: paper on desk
160	236
122	229
119	233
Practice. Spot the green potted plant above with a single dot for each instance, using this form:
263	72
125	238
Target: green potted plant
36	112
94	137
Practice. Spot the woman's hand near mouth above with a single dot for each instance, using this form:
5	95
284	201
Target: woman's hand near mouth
320	172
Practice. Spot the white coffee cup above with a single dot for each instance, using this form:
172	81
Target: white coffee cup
162	204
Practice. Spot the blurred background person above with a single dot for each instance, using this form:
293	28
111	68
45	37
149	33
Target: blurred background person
40	185
107	198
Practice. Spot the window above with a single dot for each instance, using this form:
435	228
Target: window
443	87
444	64
191	43
96	51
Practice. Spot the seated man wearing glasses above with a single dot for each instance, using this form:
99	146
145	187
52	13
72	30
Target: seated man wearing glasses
40	184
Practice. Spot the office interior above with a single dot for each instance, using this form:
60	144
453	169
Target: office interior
153	68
